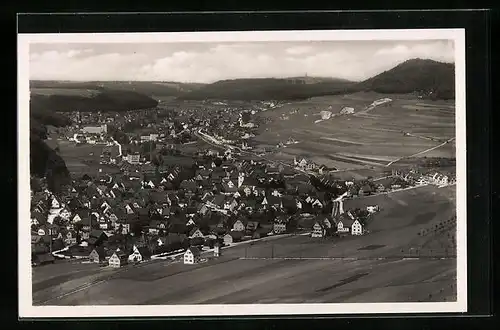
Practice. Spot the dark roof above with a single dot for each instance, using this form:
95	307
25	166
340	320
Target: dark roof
39	216
236	234
346	220
219	199
97	233
100	251
144	251
193	231
194	250
120	254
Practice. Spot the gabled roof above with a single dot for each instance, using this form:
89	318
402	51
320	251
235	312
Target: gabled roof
194	250
193	231
100	251
320	223
346	220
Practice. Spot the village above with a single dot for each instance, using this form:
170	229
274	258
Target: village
164	201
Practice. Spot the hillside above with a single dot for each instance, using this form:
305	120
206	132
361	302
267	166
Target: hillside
270	89
150	88
425	77
44	161
72	99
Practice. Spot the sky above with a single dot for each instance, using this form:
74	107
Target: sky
209	62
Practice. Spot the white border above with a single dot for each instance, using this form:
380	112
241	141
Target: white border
26	308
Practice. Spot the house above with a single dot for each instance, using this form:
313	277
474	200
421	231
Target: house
233	237
347	111
192	256
70	238
229	187
238	226
139	254
345	223
97	255
55	204
318	230
230	204
154	227
373	209
104	223
252	226
317	203
279	227
327	223
65	214
96	237
356	228
196	233
37	218
118	259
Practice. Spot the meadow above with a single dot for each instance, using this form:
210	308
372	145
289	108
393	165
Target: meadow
366	138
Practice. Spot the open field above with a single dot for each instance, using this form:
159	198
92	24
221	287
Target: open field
74	155
64	91
393	263
377	134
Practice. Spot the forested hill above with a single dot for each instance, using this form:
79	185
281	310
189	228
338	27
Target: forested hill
89	100
269	89
44	161
428	78
425	77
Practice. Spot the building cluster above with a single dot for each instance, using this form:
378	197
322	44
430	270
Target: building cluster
172	207
418	177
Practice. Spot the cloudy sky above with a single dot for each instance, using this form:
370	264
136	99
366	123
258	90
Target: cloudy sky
209	62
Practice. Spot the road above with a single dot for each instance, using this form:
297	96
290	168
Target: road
421	152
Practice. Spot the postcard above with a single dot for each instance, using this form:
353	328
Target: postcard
242	173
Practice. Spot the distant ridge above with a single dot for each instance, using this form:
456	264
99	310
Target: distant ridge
427	78
271	89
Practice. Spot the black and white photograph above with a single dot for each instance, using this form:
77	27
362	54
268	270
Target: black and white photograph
242	173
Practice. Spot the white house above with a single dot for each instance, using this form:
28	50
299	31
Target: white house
139	254
55	203
346	111
238	226
344	226
196	233
192	256
318	230
76	218
372	209
279	227
356	228
118	259
65	214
